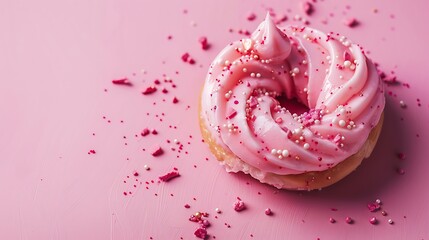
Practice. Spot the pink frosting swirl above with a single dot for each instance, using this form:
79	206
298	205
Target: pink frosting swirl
327	73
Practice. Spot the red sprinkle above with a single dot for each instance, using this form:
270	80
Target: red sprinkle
204	43
373	220
157	152
232	113
351	22
149	90
187	206
185	57
201	233
92	151
122	81
349	220
167	177
239	206
307	7
154	132
145	132
251	16
191	61
268	211
175	100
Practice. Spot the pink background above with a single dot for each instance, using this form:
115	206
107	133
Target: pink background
58	57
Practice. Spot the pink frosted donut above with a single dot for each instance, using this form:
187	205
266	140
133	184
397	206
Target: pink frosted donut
249	130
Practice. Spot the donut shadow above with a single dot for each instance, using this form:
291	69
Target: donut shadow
380	170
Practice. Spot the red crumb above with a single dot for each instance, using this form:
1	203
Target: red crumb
145	132
167	177
187	206
201	233
122	81
239	206
136	174
204	43
175	100
251	16
149	90
191	61
154	132
92	151
351	22
307	7
157	151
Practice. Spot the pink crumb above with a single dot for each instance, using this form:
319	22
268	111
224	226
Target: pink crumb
201	233
268	211
239	206
157	151
349	220
167	177
373	207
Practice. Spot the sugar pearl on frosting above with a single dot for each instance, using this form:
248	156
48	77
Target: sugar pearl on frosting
306	146
252	75
295	70
347	63
273	151
342	123
258	75
285	153
244	69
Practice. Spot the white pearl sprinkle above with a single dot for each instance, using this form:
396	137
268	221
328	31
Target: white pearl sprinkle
390	221
226	62
258	75
295	70
306	146
352	67
285	153
342	123
304	62
176	141
402	104
252	75
378	201
244	69
146	167
347	63
273	151
217	210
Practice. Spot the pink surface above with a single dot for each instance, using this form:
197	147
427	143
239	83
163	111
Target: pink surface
58	57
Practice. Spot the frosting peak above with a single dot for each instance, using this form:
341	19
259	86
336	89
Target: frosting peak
270	42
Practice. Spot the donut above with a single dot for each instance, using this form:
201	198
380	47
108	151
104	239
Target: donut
292	106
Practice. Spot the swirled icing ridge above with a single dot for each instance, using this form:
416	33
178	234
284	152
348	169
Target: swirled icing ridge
327	73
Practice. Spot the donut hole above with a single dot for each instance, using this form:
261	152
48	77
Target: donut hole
292	105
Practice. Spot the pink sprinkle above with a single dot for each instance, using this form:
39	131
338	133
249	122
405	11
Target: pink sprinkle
201	233
373	207
279	120
349	220
373	220
401	156
253	102
351	22
390	79
145	132
167	177
175	100
337	138
122	81
331	220
239	206
268	211
205	223
204	43
157	152
400	171
149	90
251	16
307	7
